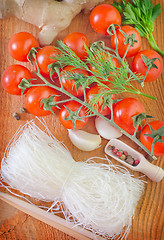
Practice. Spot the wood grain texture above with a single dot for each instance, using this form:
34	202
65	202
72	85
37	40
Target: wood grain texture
148	223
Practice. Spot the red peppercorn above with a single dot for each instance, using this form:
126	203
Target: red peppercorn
136	162
115	151
119	154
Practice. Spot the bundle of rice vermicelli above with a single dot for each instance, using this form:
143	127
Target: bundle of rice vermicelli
99	197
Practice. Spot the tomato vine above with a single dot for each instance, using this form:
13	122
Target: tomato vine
104	67
121	78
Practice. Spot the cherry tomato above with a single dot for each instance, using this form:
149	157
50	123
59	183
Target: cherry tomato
139	66
77	42
133	50
91	93
33	100
124	111
20	45
12	77
73	106
103	16
44	58
106	58
147	141
69	84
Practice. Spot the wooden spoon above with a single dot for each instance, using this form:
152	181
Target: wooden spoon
152	171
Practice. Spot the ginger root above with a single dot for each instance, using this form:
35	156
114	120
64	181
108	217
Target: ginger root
51	16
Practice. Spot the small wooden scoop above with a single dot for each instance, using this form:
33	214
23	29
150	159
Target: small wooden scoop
155	173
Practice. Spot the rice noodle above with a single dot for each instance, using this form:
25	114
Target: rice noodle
99	197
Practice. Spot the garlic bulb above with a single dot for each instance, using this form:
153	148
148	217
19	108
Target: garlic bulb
83	140
106	130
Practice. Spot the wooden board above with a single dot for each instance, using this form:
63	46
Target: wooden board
149	216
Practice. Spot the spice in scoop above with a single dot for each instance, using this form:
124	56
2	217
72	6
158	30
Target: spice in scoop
123	155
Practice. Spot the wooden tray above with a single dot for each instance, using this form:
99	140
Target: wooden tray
149	218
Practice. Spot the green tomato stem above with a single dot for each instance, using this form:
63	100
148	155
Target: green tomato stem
59	102
96	113
143	80
135	132
123	59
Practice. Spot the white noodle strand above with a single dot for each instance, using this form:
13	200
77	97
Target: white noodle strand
100	197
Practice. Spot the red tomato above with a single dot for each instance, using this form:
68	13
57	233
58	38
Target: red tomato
124	111
33	100
91	93
73	106
69	84
12	77
147	141
20	45
44	58
121	41
138	65
77	41
106	58
103	16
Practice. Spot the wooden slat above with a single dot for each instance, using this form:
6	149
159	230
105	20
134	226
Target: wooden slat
148	223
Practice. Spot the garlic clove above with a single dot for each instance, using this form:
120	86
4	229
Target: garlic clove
83	140
106	130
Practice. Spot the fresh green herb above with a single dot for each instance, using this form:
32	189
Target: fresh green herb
101	60
141	14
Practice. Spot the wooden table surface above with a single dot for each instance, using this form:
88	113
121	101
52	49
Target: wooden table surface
148	223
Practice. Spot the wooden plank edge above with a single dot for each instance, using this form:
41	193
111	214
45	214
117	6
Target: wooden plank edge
52	220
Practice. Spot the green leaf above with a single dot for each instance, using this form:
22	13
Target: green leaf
156	12
140	30
119	6
129	12
141	14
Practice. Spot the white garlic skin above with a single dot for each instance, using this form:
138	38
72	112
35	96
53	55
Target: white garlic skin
106	130
83	140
